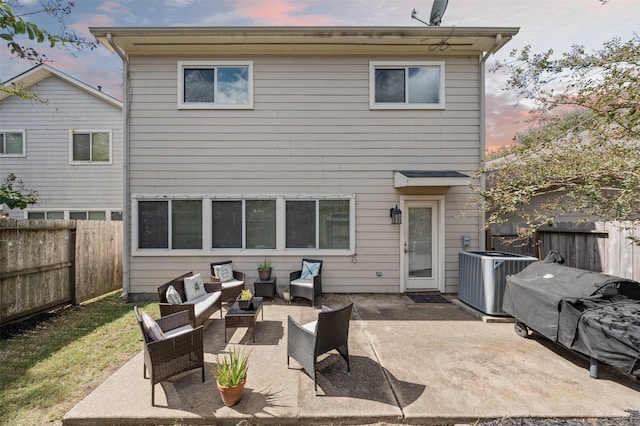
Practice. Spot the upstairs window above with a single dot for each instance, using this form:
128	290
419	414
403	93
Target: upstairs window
215	85
396	85
90	147
12	143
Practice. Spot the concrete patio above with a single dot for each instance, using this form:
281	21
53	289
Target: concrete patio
412	363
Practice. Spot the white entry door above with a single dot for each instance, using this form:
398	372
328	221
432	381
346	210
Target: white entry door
420	245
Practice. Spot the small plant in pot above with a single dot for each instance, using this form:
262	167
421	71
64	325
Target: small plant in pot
231	375
245	299
264	270
286	294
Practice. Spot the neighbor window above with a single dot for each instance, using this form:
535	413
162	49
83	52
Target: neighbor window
223	85
90	147
87	215
249	224
406	86
75	215
174	224
12	143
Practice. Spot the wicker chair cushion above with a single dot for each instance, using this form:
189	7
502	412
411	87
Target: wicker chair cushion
310	270
303	283
194	287
202	303
310	326
152	328
173	296
232	283
178	331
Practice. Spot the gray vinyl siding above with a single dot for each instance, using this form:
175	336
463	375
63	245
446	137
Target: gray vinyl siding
46	167
310	132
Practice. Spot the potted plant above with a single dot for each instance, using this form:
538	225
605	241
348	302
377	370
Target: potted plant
245	299
285	294
231	375
264	270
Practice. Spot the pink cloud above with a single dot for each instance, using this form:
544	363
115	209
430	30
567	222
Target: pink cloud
280	12
114	8
504	119
81	27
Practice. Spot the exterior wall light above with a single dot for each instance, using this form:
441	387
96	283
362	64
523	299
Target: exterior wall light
396	215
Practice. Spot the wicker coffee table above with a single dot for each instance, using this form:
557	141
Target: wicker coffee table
237	317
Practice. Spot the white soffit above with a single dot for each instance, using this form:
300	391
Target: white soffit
414	178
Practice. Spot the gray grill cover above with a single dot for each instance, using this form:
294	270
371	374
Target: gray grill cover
592	313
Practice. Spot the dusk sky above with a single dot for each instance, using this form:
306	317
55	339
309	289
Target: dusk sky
544	24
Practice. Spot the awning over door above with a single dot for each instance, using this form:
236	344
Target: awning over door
408	178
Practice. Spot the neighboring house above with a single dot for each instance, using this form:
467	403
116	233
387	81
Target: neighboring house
292	142
66	145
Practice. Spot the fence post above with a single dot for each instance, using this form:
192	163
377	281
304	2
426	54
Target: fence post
72	268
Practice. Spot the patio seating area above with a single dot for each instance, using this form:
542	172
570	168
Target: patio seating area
418	363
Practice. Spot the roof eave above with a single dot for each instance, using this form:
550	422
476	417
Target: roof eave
308	40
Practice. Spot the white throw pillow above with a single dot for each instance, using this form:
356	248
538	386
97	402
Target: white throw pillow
225	273
173	296
194	287
153	329
310	270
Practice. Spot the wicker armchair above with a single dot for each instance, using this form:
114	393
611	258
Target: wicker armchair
230	289
308	288
181	350
305	343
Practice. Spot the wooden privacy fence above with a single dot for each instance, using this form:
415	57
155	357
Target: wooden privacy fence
49	263
595	246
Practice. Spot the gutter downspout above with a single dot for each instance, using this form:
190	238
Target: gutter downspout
483	128
125	166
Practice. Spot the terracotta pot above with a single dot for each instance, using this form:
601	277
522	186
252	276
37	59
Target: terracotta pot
233	394
264	275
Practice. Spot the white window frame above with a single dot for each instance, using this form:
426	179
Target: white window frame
90	162
373	65
213	65
24	142
280	249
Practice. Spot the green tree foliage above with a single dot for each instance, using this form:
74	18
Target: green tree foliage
583	155
15	195
16	30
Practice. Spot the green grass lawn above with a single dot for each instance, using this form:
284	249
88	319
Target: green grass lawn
49	368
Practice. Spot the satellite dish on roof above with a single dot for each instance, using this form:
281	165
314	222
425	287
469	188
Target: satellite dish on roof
437	11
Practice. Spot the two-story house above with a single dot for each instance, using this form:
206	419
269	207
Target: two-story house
66	144
292	142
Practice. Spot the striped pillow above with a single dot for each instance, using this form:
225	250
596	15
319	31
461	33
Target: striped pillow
173	296
153	329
